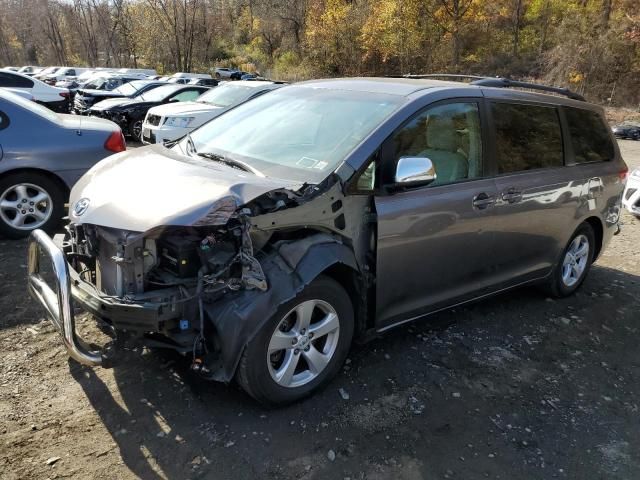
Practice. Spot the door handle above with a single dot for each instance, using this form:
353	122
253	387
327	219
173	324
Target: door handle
483	200
512	196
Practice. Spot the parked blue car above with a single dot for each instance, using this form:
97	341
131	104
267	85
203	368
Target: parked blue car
42	154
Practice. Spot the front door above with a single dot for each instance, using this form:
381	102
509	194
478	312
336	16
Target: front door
434	242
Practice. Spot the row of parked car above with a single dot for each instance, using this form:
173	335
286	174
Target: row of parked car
275	223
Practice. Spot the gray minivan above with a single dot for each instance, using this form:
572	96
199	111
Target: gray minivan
262	243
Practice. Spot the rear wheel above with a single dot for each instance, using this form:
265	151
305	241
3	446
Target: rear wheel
29	201
574	264
301	347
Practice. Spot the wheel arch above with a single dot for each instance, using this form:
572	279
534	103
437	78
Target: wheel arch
598	231
351	280
47	173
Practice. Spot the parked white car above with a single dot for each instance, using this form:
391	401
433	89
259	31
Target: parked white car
183	78
631	196
56	99
169	122
30	70
46	71
63	73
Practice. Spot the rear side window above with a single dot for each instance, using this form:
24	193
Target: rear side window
14	81
589	136
528	137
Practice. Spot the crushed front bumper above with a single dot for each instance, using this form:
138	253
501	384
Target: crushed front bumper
147	317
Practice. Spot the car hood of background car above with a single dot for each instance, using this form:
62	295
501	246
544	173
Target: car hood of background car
77	122
185	108
110	103
98	93
154	186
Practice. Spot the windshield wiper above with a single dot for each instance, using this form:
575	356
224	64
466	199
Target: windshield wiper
230	162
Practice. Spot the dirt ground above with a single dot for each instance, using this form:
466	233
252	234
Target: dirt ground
518	386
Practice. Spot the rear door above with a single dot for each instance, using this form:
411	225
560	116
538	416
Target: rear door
434	242
538	197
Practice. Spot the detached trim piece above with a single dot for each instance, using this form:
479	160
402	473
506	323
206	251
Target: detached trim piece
58	306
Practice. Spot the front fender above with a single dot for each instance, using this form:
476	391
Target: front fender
291	267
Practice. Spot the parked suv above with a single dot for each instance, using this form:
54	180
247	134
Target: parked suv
266	240
169	122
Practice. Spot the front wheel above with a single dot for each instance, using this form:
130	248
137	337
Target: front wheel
575	262
301	347
135	130
29	201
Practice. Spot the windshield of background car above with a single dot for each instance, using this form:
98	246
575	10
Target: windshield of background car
131	88
227	95
296	133
158	94
49	70
34	107
103	83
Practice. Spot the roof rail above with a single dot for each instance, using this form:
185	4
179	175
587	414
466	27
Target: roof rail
501	82
453	76
508	83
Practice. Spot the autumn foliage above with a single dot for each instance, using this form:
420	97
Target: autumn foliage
592	46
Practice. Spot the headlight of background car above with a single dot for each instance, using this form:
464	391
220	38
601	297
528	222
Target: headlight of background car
636	173
180	122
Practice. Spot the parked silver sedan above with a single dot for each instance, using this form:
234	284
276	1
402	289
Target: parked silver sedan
42	155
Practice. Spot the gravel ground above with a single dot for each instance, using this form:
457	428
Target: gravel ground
518	386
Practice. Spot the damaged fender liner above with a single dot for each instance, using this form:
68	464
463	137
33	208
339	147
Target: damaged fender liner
288	271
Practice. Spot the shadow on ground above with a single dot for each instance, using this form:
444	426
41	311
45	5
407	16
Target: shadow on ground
517	386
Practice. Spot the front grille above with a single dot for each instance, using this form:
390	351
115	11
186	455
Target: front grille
153	120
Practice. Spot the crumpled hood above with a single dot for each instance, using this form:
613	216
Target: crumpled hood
185	108
153	186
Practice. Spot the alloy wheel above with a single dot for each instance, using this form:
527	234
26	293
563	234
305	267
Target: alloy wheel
303	343
25	206
575	260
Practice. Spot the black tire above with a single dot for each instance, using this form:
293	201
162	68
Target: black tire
556	286
253	372
218	76
136	124
49	186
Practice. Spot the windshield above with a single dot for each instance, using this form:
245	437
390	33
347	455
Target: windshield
158	94
86	76
35	108
49	70
131	88
227	95
296	133
103	83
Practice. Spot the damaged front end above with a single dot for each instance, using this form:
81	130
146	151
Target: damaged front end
202	289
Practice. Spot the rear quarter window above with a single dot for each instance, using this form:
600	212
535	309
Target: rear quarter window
590	136
14	81
528	137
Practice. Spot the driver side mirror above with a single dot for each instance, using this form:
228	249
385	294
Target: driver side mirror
414	172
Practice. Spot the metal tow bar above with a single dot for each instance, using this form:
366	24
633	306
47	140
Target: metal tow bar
58	306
